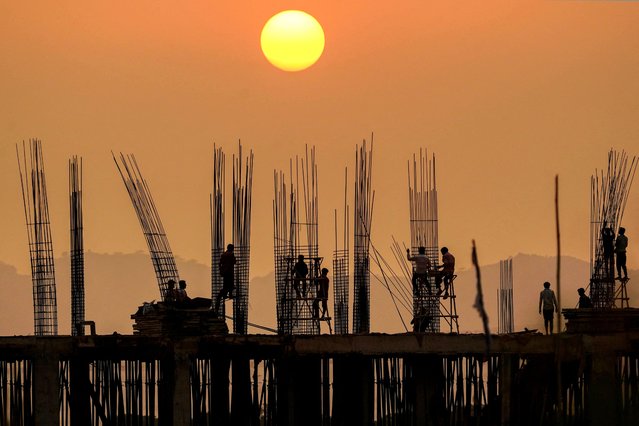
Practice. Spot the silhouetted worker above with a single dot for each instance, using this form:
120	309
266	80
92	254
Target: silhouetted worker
322	294
584	301
548	301
182	296
448	270
608	243
621	244
171	295
300	271
421	269
227	268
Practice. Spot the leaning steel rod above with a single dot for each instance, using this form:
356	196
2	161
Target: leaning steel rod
149	218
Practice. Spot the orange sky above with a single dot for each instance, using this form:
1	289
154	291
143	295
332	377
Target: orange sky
507	94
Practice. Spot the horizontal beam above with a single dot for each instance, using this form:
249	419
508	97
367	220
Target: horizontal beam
271	346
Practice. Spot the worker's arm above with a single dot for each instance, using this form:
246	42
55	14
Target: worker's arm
408	256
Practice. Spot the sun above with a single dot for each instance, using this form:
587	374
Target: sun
292	40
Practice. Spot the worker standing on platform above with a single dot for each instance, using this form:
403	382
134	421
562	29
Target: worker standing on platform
448	270
621	244
322	295
300	271
227	271
421	270
548	301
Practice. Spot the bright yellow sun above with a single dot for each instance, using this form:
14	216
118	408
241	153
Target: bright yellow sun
292	40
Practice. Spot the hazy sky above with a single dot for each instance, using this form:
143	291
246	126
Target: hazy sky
506	94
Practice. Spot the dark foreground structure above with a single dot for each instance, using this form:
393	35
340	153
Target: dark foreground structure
405	379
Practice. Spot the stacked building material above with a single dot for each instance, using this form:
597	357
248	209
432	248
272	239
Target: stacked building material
161	319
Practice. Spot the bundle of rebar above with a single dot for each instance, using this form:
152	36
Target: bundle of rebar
149	218
609	191
217	223
505	297
422	198
242	191
341	269
77	245
293	238
363	211
36	213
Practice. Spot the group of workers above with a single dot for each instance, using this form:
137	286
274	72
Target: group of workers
176	295
321	283
423	270
614	247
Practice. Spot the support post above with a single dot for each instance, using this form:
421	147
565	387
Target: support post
241	407
80	392
46	387
353	390
507	367
603	390
220	390
299	391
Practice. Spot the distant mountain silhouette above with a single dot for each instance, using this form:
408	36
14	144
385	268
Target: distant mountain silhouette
116	284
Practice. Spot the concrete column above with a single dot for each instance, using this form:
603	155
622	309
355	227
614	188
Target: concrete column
241	408
299	391
220	390
80	399
46	388
507	368
427	384
604	390
353	390
181	389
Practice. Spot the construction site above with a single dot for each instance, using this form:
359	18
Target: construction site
193	361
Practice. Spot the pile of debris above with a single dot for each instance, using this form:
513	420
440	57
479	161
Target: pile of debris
173	320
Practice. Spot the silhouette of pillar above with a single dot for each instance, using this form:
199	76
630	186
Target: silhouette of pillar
426	389
353	390
80	400
241	407
299	391
604	390
219	409
507	368
46	387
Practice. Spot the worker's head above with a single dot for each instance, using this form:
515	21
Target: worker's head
581	291
546	284
622	231
324	272
422	250
182	284
170	283
444	250
300	257
230	247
